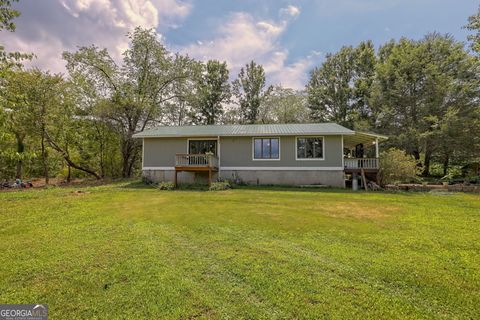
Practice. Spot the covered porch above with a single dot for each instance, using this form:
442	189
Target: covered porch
361	158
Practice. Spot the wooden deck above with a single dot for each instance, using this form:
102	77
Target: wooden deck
196	163
366	168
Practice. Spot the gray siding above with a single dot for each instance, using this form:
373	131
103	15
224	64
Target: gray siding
237	152
160	152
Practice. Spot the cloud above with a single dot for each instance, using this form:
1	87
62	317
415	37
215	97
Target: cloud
48	28
290	11
243	38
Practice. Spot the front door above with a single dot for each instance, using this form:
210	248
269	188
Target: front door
202	146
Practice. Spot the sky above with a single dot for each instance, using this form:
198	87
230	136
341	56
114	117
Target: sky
289	38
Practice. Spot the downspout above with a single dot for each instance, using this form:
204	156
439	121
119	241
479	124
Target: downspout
219	157
143	153
343	163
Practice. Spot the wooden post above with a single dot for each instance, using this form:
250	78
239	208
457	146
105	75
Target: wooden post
376	148
175	181
209	177
364	180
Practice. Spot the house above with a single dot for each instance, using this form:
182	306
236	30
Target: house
283	154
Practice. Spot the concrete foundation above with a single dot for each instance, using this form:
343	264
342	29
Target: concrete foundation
183	176
332	178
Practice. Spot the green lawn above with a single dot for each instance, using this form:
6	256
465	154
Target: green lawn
122	251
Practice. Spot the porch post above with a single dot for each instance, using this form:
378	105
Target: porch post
376	148
209	177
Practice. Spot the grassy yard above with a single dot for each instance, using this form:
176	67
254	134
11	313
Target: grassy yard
122	251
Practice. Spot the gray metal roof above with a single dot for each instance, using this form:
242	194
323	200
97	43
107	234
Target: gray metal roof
246	130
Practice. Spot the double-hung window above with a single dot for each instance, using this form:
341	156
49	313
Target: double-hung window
266	148
309	148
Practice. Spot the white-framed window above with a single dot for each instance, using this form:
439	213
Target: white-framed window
309	148
266	148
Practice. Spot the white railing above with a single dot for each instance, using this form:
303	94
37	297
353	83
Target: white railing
196	160
359	163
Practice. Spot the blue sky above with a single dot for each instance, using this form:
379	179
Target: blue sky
288	37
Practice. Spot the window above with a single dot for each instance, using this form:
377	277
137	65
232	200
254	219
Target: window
266	148
202	146
310	148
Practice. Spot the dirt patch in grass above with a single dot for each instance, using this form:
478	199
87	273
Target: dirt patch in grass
359	210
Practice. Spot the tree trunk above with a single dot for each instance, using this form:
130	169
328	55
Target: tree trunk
66	157
20	150
44	159
129	156
426	164
69	175
446	161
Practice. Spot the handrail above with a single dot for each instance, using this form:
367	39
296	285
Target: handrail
196	160
361	163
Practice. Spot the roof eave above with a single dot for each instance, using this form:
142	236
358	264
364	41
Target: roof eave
140	136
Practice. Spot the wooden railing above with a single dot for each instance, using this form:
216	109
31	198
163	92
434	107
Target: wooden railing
359	163
196	160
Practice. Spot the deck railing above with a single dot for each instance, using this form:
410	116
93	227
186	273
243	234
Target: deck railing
196	160
361	163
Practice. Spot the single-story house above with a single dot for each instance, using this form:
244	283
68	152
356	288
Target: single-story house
284	154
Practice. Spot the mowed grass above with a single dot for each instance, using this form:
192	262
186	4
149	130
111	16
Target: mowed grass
122	251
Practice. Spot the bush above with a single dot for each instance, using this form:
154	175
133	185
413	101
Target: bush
222	185
474	180
397	167
166	185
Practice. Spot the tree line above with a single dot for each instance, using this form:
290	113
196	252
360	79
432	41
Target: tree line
423	94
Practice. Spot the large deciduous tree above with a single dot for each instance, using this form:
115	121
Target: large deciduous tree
339	90
134	93
284	105
212	90
420	87
250	90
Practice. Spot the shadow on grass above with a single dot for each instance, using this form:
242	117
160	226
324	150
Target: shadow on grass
138	184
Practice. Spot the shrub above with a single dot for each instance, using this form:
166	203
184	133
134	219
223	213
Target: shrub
397	167
223	185
166	185
474	180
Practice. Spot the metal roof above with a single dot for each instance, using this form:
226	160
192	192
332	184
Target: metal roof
246	130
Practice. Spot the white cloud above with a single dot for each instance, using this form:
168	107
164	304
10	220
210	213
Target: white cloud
291	11
243	38
74	23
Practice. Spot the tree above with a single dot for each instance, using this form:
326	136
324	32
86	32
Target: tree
418	83
7	14
474	25
133	95
250	90
9	59
339	90
284	105
40	108
211	91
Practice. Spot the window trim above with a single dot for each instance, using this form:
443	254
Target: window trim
279	149
309	159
